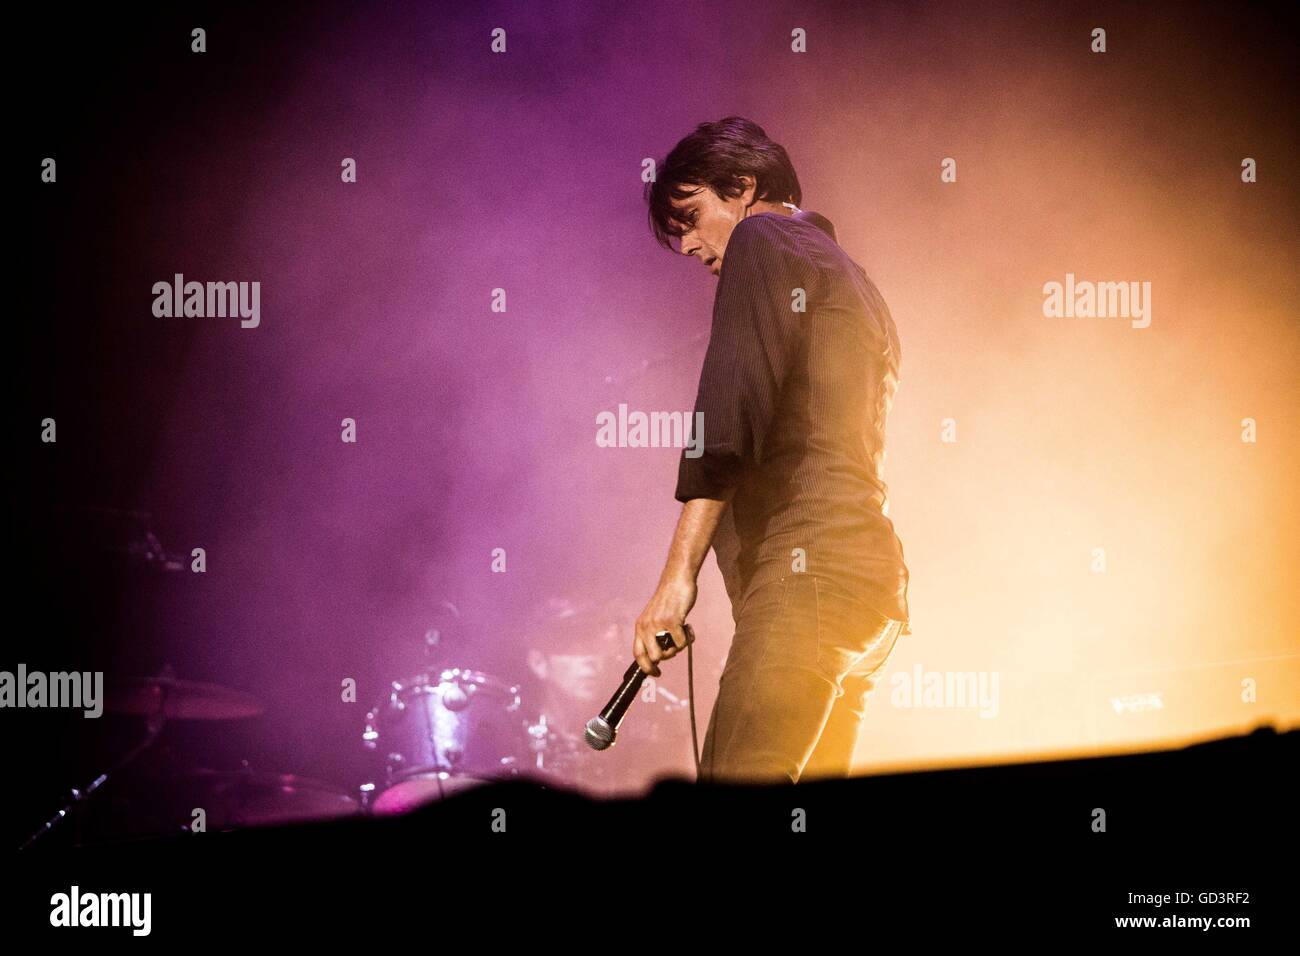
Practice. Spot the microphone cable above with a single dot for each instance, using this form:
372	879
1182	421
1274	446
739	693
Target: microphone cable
690	685
690	691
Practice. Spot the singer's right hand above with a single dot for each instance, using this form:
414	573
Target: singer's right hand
666	611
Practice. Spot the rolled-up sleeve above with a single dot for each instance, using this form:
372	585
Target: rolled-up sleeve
753	345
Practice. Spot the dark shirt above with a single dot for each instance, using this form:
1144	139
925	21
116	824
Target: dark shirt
794	410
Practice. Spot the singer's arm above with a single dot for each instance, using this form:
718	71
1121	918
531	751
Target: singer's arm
754	343
675	595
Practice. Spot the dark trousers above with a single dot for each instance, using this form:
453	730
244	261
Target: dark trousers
793	693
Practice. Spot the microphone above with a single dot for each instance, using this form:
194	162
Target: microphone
602	730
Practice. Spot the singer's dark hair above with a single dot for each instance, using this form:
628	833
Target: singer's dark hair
716	155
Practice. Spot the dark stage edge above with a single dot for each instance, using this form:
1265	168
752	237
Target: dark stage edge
986	854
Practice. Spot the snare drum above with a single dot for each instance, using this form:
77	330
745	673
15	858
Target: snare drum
458	725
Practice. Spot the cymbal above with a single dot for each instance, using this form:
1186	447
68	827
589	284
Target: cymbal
179	700
562	607
592	627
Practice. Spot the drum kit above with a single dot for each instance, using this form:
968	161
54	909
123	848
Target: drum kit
433	735
440	734
441	731
452	728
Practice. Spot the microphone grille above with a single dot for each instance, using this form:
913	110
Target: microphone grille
599	733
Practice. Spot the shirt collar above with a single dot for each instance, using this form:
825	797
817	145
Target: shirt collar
816	219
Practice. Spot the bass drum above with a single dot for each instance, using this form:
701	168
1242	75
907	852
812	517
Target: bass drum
440	734
233	799
421	789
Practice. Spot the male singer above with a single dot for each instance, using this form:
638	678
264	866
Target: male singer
800	372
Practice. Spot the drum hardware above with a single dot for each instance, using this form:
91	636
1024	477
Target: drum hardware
158	700
79	797
124	531
440	734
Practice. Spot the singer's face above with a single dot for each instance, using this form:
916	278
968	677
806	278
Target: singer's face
712	219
